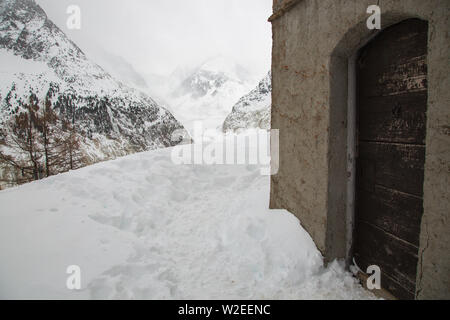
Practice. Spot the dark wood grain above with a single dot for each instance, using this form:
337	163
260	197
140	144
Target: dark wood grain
393	211
396	79
393	165
395	257
392	104
400	119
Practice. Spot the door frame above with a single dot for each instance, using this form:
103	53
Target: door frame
329	230
352	136
352	128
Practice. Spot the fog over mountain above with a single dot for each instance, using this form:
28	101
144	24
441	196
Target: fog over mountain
39	60
160	46
209	92
121	69
160	36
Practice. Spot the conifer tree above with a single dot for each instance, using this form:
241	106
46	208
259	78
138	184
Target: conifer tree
21	137
37	143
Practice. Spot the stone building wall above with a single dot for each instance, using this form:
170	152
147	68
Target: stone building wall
313	41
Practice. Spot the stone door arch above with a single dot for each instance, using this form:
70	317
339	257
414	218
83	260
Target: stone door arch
391	87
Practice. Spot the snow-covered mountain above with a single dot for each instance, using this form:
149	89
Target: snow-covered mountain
253	109
208	93
120	68
36	56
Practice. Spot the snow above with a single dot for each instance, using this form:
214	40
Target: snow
211	110
10	63
226	65
253	109
19	76
15	70
209	92
143	227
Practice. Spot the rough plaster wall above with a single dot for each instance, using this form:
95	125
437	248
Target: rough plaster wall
301	118
312	41
433	280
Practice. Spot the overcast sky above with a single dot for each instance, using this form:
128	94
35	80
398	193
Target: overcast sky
156	36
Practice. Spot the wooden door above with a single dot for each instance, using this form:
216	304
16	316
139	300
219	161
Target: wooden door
391	121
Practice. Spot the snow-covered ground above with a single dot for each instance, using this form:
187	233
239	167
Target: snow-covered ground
144	227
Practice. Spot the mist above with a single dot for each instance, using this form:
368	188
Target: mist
158	36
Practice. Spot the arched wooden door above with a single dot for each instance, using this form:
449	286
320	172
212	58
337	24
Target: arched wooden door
391	122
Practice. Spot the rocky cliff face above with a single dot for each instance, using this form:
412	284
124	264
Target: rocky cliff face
252	110
38	57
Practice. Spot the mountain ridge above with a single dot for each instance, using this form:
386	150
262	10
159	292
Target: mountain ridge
106	111
253	109
208	92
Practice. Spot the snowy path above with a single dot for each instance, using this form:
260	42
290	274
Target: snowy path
143	227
